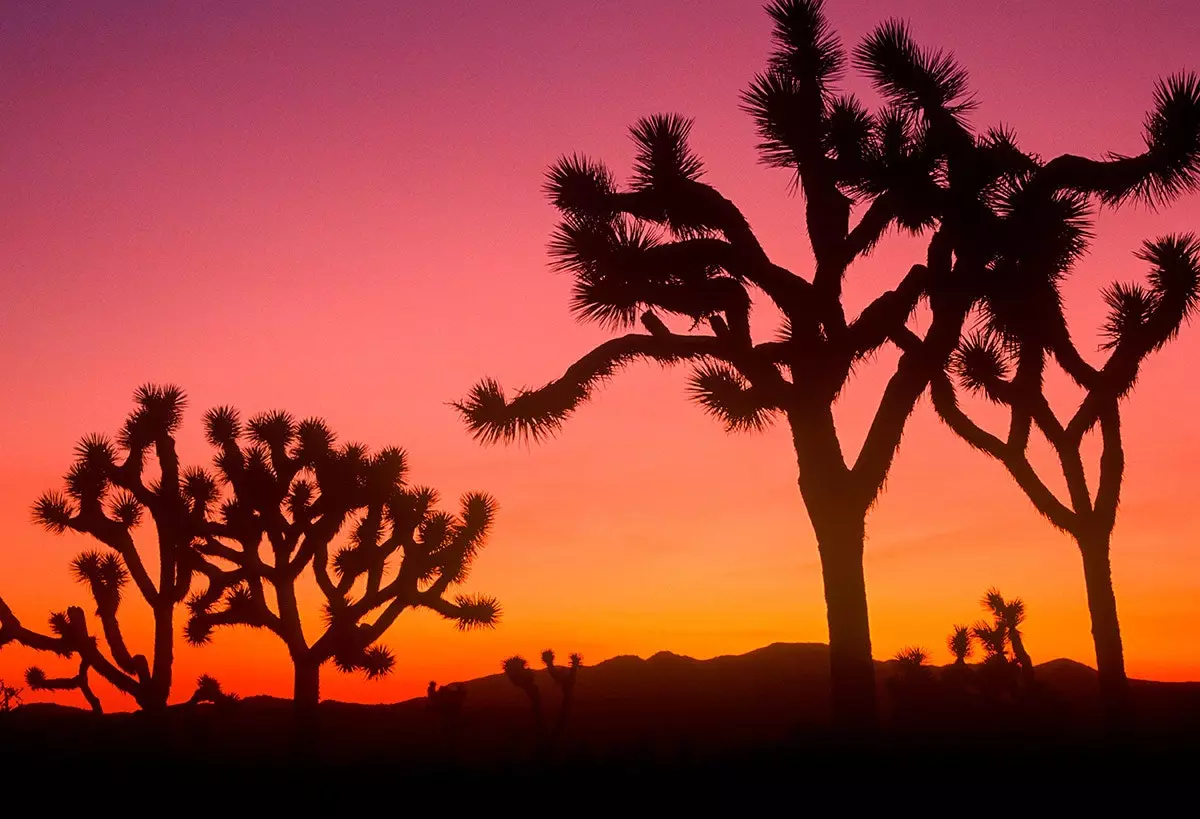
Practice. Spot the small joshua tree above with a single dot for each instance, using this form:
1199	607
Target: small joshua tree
447	703
375	546
1008	616
107	495
10	697
209	690
960	644
521	675
564	677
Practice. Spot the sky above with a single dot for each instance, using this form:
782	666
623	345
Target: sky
335	209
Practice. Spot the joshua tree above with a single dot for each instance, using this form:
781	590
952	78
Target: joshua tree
209	690
521	675
913	661
1005	362
10	697
1008	616
565	679
375	545
107	494
960	645
447	702
670	245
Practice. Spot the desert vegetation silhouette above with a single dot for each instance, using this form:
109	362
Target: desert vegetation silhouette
516	668
671	253
284	500
1006	361
108	492
292	493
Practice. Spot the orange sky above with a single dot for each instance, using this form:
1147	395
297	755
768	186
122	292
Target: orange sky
335	209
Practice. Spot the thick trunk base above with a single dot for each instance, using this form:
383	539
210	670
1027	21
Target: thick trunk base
1115	696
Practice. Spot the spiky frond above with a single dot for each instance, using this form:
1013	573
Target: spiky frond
198	630
912	657
532	414
35	678
200	487
160	407
315	439
921	79
806	47
125	508
1170	165
779	105
105	573
581	187
980	363
1174	279
548	658
663	157
276	428
960	643
476	611
222	425
53	512
727	396
1129	308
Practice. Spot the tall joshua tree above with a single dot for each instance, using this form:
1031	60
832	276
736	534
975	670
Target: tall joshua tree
107	494
671	245
376	546
1005	363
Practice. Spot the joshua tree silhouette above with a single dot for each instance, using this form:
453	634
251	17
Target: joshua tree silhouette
565	679
1005	363
293	493
209	690
960	644
107	493
10	697
1008	616
671	245
521	675
912	660
447	702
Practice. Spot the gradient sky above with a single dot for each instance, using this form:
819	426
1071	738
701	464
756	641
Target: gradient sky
335	208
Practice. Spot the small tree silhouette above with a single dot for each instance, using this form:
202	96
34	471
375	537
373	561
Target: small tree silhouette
209	690
107	494
1008	616
565	679
10	697
293	493
1005	363
447	703
521	675
671	245
960	644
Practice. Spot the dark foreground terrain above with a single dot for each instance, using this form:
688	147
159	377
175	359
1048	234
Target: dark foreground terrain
669	728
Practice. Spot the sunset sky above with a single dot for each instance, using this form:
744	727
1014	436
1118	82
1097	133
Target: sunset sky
335	208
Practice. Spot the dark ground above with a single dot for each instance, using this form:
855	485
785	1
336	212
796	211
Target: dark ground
668	730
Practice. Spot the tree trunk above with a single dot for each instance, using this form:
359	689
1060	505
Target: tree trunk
851	667
306	693
164	656
1115	696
